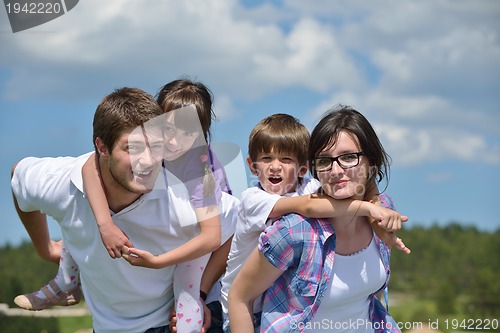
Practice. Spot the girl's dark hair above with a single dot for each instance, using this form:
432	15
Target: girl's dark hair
345	118
179	93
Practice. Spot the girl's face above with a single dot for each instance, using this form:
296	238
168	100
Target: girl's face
176	141
340	183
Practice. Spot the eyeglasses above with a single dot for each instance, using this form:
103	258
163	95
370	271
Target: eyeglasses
345	161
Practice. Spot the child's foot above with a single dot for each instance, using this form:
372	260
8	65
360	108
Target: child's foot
54	296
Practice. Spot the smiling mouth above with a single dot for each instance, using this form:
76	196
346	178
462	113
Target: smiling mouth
142	173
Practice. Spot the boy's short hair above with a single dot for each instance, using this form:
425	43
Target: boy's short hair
280	133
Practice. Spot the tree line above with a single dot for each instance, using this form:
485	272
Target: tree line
456	266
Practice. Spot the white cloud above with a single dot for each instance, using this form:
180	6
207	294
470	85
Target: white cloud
440	177
247	58
426	72
224	109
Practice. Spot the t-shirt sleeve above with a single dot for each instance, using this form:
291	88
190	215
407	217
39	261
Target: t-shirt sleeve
256	205
309	186
276	244
41	184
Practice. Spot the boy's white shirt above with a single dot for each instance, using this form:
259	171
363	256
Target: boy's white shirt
253	217
121	298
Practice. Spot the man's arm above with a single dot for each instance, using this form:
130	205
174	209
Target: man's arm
35	223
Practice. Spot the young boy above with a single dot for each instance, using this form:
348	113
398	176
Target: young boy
278	147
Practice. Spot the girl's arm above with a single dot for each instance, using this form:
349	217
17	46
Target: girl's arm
207	241
256	276
112	237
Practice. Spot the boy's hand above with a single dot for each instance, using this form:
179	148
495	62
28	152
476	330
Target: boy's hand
390	239
114	239
386	218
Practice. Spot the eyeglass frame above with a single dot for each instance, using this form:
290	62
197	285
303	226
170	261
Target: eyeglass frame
336	159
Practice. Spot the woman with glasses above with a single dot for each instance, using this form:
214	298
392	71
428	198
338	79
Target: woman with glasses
323	275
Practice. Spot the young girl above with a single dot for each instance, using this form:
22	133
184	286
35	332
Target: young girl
322	275
188	160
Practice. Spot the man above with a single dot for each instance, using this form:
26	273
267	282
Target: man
128	142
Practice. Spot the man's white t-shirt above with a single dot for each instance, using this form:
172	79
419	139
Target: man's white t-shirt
121	298
253	217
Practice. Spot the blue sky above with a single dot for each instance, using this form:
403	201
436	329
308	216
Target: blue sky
425	73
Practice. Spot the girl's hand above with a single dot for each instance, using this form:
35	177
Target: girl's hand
141	258
114	239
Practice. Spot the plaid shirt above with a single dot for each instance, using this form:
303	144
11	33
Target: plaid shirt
304	250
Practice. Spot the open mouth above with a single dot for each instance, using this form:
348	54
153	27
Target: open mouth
275	180
143	173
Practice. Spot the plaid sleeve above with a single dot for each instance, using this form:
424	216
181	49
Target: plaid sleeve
276	245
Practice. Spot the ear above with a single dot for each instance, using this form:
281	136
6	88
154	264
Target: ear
302	171
101	147
250	166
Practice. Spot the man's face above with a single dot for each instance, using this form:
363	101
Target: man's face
135	161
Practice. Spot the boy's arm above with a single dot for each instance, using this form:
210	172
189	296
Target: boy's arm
383	220
315	205
112	237
324	206
385	229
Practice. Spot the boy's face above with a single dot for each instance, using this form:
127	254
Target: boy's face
278	173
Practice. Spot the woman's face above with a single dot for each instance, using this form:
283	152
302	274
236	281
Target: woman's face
176	141
340	183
